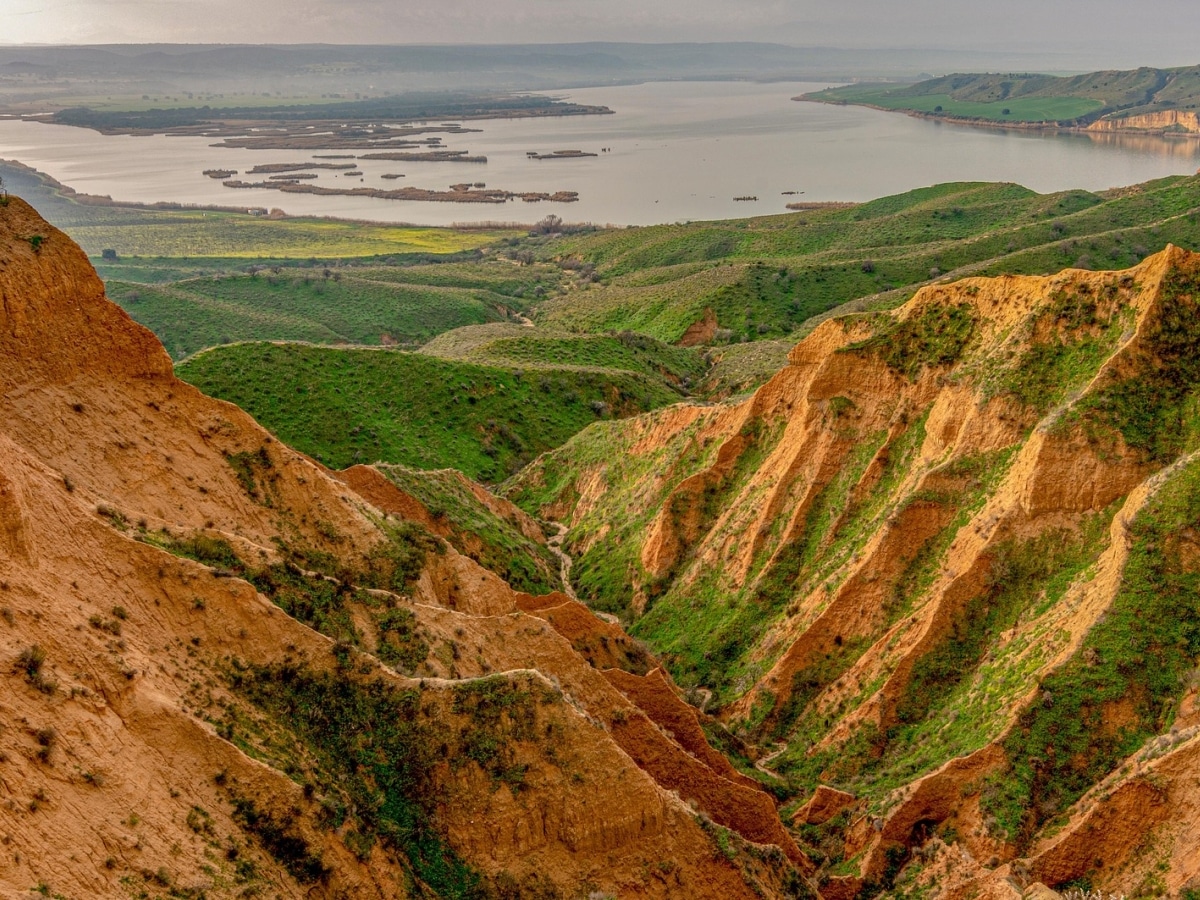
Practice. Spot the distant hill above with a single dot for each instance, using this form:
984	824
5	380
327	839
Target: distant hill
1140	99
111	70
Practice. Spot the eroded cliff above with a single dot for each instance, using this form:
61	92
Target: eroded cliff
229	671
944	561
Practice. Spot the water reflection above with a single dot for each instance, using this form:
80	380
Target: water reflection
1173	146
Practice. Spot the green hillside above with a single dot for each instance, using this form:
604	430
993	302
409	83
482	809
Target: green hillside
494	542
1023	98
359	406
629	351
765	278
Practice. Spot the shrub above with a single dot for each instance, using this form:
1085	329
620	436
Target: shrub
31	662
282	840
46	738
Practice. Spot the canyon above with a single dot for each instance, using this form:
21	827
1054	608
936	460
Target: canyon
917	614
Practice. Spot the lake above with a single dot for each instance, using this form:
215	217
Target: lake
677	151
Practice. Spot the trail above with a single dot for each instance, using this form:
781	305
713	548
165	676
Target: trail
564	561
763	765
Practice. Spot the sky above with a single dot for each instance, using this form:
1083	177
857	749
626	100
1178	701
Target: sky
1153	32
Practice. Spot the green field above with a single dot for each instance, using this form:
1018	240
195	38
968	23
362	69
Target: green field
321	305
1022	109
360	406
195	234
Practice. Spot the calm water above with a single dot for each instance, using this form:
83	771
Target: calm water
679	151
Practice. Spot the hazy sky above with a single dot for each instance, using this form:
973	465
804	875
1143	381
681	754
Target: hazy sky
1162	32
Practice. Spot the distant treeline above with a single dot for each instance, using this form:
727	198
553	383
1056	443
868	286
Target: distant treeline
442	106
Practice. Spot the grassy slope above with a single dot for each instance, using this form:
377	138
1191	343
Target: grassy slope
765	277
1021	109
519	346
350	406
1035	98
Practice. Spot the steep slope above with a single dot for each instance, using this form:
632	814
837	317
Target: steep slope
229	672
946	558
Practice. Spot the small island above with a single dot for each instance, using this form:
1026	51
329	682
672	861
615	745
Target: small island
458	193
458	156
267	168
560	154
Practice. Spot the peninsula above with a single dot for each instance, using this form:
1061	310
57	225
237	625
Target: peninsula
1142	101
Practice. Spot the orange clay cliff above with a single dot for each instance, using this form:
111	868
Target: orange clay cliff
229	672
942	569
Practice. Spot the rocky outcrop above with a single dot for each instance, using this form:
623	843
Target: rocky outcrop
1167	121
823	805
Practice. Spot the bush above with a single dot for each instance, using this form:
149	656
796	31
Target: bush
31	661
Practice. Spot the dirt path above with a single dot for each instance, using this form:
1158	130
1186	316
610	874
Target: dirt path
564	561
763	765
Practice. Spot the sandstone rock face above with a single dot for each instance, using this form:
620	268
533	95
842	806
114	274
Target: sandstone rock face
1167	120
172	581
939	557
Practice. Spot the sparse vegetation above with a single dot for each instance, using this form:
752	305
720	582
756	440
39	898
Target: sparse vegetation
373	753
495	542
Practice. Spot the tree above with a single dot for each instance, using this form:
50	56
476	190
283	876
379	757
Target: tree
549	225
